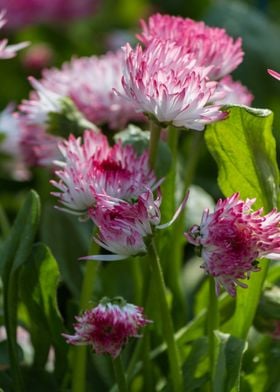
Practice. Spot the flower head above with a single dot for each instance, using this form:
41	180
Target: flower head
95	168
166	83
107	327
231	239
89	82
124	228
211	46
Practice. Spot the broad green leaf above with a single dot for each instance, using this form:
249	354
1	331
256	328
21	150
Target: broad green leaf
196	366
244	149
15	252
39	296
68	239
4	354
228	362
273	275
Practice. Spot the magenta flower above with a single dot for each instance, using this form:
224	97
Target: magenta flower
275	74
125	228
107	327
235	92
89	82
167	85
211	46
231	239
95	168
8	51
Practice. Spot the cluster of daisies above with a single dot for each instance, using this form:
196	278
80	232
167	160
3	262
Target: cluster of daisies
180	76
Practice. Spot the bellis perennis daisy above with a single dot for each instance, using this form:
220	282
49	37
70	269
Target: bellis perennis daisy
211	46
89	83
166	83
107	327
231	239
92	167
125	228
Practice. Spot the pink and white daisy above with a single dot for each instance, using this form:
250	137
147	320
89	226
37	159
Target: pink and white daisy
89	82
8	51
93	167
167	85
108	327
235	92
211	46
124	228
231	239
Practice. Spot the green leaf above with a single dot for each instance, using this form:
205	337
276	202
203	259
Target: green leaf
245	152
15	252
39	296
4	354
195	368
68	239
228	362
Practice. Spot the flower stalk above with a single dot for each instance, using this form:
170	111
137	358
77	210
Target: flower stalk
212	325
167	324
80	352
155	131
119	374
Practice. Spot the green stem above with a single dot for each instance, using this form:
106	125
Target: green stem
10	311
193	155
80	352
193	152
119	374
4	223
147	365
167	324
169	185
137	279
212	324
153	146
